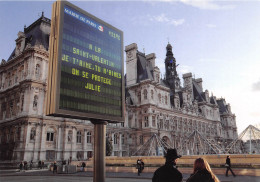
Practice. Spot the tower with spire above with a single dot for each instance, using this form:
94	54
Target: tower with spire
171	76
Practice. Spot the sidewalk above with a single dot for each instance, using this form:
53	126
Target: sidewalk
123	175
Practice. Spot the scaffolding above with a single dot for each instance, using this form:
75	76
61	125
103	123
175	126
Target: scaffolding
249	137
154	146
197	144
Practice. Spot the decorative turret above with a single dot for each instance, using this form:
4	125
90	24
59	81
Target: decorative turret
170	68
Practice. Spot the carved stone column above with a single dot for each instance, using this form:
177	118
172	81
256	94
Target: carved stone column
74	142
42	151
59	143
85	144
37	141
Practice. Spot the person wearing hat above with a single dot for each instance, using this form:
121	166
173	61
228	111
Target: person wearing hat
168	172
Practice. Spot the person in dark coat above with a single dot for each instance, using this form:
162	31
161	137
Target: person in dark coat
83	165
139	166
54	167
142	165
31	165
202	172
228	165
169	171
42	164
39	164
25	165
21	166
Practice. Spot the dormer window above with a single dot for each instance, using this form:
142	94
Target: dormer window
37	69
20	43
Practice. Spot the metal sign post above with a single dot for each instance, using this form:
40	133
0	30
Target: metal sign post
99	150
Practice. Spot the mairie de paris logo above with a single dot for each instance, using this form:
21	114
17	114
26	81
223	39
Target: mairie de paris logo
100	28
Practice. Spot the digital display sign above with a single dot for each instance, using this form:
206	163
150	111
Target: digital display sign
86	66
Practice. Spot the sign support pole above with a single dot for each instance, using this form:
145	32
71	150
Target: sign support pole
99	150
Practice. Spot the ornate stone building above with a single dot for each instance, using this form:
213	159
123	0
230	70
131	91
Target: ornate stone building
153	106
25	132
177	114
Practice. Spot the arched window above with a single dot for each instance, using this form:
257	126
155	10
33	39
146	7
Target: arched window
11	108
7	136
4	110
50	135
18	133
139	97
33	134
123	139
166	102
145	94
69	136
35	102
151	94
21	73
37	69
115	139
153	120
141	140
22	101
78	137
160	98
146	122
89	137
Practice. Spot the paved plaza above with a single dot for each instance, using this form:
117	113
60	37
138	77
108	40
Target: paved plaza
44	175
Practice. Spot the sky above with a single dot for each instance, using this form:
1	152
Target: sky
218	41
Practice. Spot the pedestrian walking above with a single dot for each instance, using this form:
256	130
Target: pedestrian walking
54	167
25	165
39	164
228	166
42	165
21	166
202	172
31	165
139	166
142	165
83	165
169	171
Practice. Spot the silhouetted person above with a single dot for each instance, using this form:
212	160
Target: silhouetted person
31	165
21	166
202	172
40	164
228	165
83	165
54	167
142	165
169	171
139	166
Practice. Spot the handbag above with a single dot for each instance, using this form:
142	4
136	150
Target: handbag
226	165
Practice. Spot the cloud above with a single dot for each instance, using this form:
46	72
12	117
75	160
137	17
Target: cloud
162	18
255	114
207	4
256	86
208	60
182	69
211	25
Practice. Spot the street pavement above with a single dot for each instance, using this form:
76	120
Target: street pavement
45	175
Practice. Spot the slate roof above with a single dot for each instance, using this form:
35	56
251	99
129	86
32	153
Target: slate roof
222	106
144	68
198	93
37	34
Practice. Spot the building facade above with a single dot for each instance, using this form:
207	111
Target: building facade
154	105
